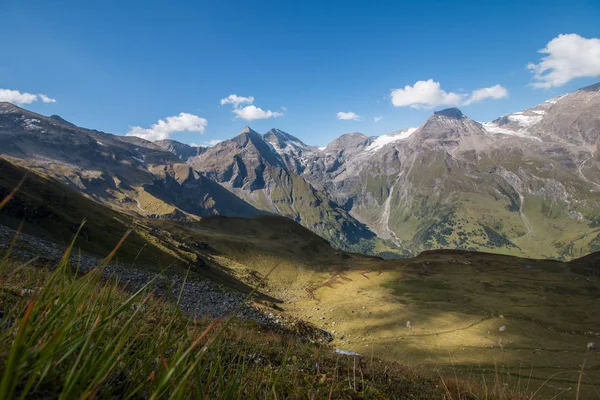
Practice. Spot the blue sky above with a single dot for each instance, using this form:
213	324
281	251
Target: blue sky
117	65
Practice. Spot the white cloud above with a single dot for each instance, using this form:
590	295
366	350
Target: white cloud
252	112
345	116
492	92
423	94
16	97
566	57
249	112
165	127
377	119
237	100
208	143
429	94
212	142
46	99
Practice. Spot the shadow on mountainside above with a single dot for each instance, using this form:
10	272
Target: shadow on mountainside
52	212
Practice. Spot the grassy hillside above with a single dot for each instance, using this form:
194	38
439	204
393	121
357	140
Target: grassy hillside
510	200
473	314
65	338
50	211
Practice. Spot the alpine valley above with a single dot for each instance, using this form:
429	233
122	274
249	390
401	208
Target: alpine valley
526	184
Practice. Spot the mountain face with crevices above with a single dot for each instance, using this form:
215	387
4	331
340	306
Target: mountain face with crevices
526	183
126	173
181	150
264	170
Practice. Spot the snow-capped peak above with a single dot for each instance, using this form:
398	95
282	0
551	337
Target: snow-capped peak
556	99
282	140
383	140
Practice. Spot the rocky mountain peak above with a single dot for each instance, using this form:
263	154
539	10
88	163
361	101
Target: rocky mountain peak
349	141
62	120
416	188
181	150
248	144
7	108
572	117
247	129
247	136
283	141
592	88
450	128
453	113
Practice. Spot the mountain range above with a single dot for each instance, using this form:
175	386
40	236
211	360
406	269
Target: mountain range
527	183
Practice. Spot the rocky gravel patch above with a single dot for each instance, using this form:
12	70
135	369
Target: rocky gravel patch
199	297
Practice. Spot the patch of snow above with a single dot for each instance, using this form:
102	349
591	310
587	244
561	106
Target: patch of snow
100	143
555	100
346	352
141	160
275	149
389	138
491	127
289	146
31	124
322	148
525	121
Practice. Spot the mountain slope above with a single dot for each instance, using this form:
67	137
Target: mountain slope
250	166
512	186
181	150
127	173
527	183
572	118
440	292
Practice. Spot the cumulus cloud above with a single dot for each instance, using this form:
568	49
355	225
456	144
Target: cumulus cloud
16	97
252	112
46	99
423	94
377	119
566	57
212	142
237	100
493	92
165	127
429	94
249	112
345	116
208	143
